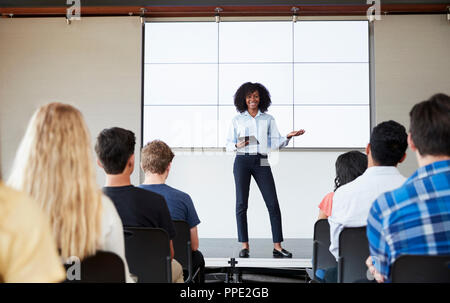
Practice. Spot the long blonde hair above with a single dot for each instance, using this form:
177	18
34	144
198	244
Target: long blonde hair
54	165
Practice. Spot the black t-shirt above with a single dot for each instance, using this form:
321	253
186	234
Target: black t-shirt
138	207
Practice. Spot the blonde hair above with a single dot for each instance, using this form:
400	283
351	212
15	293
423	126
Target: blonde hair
54	165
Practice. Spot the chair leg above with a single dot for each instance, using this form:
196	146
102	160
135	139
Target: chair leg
195	274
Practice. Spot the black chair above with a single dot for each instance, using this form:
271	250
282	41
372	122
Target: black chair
148	254
183	250
322	257
421	269
353	253
103	267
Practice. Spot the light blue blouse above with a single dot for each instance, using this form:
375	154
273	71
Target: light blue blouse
262	126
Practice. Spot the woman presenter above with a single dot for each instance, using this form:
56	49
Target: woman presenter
253	134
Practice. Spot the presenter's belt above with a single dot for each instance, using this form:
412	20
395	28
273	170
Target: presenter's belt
263	156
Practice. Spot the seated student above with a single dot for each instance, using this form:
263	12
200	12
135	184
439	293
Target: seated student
349	166
352	201
415	218
156	162
137	207
54	166
28	251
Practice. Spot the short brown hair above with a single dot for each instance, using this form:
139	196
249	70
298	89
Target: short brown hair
430	126
156	157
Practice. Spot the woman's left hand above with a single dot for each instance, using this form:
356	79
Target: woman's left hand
295	133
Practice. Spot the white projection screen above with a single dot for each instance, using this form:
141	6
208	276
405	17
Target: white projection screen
317	73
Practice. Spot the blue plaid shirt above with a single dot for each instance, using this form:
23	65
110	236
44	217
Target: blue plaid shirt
413	219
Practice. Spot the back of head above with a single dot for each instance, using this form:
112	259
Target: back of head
430	126
156	157
388	143
54	166
114	147
349	166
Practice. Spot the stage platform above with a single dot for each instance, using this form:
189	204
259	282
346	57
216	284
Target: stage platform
222	256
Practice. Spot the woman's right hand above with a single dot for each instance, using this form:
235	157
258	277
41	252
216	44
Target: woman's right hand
242	144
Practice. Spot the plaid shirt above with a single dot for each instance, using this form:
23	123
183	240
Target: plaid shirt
413	219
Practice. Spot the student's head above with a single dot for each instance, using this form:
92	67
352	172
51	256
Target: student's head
156	157
252	94
115	150
430	126
54	165
349	166
388	144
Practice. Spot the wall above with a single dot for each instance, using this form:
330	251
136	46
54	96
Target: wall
301	178
411	64
96	64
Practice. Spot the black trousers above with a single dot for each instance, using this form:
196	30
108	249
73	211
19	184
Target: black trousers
246	166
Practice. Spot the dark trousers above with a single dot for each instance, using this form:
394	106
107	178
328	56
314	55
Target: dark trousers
244	167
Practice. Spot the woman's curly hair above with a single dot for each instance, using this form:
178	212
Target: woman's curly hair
248	88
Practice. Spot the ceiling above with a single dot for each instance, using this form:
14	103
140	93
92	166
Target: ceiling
61	3
171	8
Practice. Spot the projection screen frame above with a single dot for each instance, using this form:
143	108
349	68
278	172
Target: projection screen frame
371	65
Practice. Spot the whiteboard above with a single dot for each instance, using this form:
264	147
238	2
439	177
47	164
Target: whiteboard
317	73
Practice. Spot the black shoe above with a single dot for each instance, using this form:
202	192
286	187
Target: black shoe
283	253
244	253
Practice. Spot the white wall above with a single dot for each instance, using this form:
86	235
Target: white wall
95	64
301	179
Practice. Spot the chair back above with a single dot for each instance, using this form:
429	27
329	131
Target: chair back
148	254
353	253
322	257
103	267
421	269
182	246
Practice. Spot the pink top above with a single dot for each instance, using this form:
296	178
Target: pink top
327	203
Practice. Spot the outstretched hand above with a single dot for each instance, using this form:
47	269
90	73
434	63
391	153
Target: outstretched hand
295	133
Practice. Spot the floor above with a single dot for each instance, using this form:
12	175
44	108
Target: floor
263	267
259	248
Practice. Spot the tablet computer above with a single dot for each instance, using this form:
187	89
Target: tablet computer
252	140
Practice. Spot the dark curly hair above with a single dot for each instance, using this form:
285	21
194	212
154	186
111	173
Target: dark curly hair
388	143
349	166
248	88
114	147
